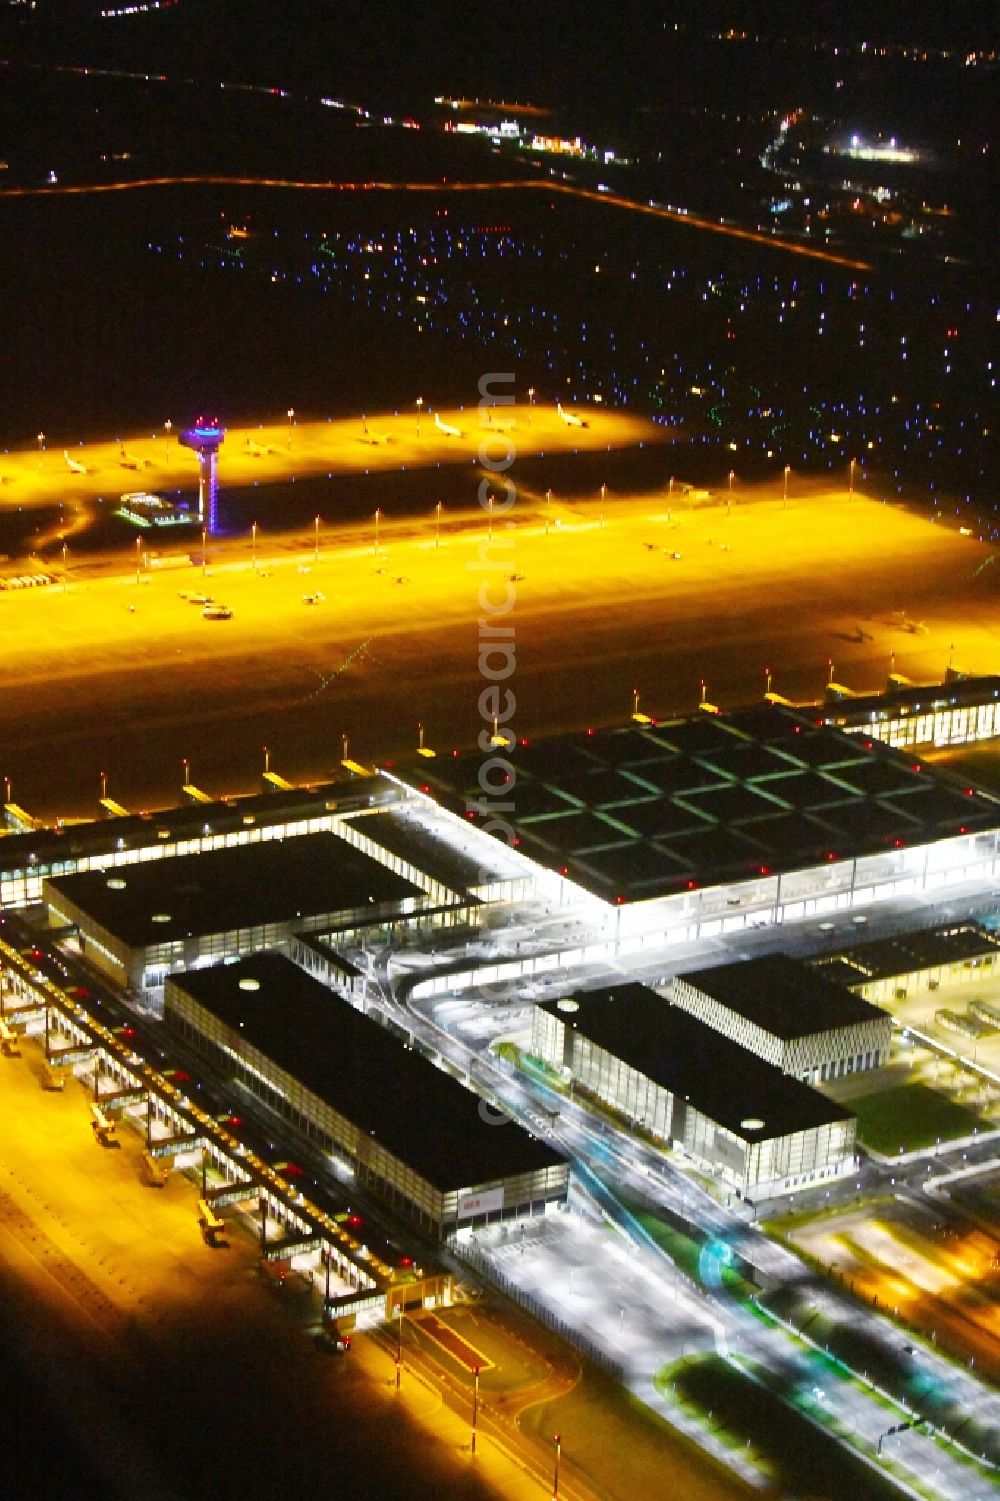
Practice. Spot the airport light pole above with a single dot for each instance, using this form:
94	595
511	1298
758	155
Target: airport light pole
204	552
729	493
531	402
253	545
784	485
850	482
316	542
138	546
557	1440
291	419
187	771
475	1405
437	525
378	518
65	567
104	785
420	403
41	441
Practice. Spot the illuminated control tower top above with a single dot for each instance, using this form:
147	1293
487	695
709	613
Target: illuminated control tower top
205	439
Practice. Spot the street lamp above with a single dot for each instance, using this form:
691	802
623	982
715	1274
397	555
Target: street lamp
316	547
104	785
531	402
767	675
138	545
489	511
378	517
557	1440
420	403
253	544
399	1346
187	771
437	525
65	567
850	482
291	419
41	441
475	1405
167	425
204	551
784	488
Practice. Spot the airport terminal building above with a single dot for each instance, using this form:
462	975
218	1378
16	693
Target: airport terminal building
760	1131
789	1014
691	828
141	923
406	1130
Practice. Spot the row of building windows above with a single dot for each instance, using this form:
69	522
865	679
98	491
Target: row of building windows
838	1067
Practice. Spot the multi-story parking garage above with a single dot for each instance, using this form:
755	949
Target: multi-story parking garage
407	1130
789	1014
759	1130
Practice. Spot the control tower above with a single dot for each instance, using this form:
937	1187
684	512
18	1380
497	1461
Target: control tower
205	438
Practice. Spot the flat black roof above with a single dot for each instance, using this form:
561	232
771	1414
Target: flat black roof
419	1113
906	953
783	996
681	1054
635	813
407	837
276	880
39	849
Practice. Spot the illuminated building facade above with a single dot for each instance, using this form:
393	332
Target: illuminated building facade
402	1127
793	1016
757	1129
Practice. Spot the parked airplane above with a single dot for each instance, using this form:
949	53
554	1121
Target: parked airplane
570	418
443	427
75	464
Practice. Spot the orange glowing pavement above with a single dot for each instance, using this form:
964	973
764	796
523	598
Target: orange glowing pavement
281	451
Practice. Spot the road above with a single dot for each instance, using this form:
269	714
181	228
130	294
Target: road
545	186
668	1315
